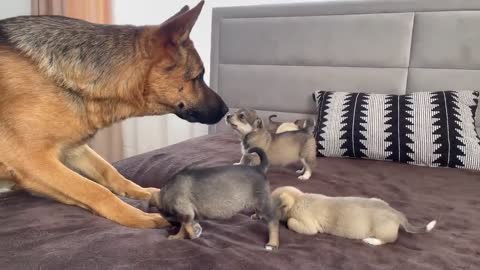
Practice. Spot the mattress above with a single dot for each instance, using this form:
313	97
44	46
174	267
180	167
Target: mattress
37	233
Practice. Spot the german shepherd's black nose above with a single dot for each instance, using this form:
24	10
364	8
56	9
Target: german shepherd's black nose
214	111
209	110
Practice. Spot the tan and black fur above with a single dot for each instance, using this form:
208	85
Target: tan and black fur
242	121
279	127
63	79
370	219
281	148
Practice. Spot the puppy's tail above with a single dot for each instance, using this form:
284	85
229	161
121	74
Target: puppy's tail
263	166
270	118
408	227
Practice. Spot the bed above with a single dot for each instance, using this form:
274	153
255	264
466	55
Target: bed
272	58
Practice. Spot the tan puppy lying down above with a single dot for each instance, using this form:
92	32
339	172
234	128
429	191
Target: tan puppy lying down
371	220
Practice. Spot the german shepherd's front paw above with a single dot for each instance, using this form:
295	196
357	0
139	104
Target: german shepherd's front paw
135	192
152	190
158	221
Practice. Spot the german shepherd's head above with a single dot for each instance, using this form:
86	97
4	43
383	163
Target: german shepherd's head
175	79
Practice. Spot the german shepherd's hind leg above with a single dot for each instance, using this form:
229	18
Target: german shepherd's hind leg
87	162
48	176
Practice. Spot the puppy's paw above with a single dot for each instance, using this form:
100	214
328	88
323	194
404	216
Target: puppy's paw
271	247
197	230
300	171
304	177
373	241
237	163
255	217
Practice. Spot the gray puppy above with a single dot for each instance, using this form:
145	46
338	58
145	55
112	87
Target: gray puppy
219	193
281	148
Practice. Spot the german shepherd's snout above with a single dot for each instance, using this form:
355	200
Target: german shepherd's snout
209	109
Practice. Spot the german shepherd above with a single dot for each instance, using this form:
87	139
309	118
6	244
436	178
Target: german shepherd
62	79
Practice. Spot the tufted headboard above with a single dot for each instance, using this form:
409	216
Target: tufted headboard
272	57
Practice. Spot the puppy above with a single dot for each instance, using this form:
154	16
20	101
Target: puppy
307	124
282	148
242	121
218	193
279	127
371	220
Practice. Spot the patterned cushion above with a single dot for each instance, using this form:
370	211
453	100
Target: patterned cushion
427	128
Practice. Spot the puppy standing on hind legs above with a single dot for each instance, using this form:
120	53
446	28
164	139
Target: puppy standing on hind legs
282	148
63	79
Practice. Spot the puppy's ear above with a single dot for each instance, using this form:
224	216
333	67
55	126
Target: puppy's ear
258	123
309	122
286	201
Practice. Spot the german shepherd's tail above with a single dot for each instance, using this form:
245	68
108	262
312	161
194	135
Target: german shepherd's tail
263	166
408	227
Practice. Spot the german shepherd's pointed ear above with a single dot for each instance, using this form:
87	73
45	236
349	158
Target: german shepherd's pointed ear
178	27
185	8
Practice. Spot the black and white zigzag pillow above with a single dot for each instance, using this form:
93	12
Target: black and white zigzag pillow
428	128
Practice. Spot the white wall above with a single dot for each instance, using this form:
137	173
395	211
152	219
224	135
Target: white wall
148	133
14	8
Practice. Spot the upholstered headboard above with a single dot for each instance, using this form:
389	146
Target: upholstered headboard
272	57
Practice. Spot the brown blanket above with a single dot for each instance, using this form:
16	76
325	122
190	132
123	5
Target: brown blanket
37	233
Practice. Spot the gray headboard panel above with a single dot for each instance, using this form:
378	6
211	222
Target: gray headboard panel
272	57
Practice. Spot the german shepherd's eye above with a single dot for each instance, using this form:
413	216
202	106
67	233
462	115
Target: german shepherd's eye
241	116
